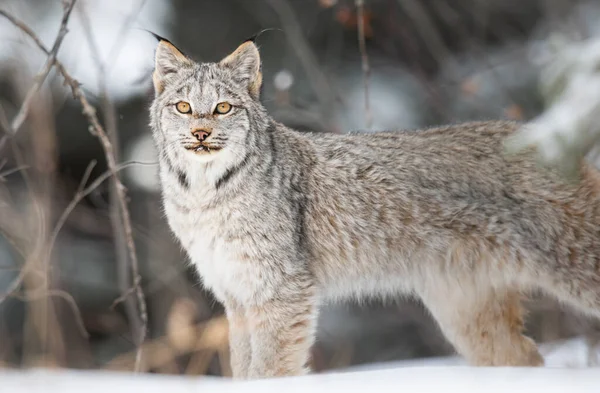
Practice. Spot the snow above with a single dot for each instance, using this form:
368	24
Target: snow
570	84
572	353
410	379
565	372
571	119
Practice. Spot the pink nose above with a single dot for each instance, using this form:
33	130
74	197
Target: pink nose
201	135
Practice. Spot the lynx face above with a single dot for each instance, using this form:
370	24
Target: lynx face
203	109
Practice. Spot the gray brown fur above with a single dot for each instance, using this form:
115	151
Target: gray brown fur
279	221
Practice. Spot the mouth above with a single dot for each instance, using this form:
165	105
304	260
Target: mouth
201	148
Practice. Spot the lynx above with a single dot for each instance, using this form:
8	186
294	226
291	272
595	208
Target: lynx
279	221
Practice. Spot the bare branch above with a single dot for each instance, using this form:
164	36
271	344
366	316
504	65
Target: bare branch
317	79
79	195
122	298
11	171
97	130
362	44
26	29
40	78
62	294
131	18
210	335
129	277
83	192
424	23
14	286
4	123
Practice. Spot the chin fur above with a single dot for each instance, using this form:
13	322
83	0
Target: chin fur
203	156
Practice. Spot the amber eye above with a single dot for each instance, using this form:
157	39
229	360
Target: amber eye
223	108
183	107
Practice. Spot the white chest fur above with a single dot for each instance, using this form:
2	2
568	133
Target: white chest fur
226	267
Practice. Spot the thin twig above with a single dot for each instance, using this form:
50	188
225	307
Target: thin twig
117	214
113	54
97	130
319	82
362	45
65	296
4	123
11	171
14	285
122	298
40	78
210	335
21	25
83	192
426	25
79	195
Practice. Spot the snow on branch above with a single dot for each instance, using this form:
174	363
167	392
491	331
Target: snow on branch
570	127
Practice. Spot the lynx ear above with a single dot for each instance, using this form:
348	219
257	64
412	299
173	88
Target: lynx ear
245	65
168	62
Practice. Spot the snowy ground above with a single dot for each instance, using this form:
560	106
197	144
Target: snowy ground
572	353
565	373
410	380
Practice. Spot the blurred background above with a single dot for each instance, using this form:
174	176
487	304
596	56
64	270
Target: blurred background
68	294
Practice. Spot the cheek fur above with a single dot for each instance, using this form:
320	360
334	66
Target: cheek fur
174	126
233	127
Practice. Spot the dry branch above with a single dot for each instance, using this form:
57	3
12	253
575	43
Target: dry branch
50	61
207	336
81	193
97	130
362	45
117	215
319	82
66	297
426	26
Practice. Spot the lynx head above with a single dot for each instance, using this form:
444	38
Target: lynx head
204	111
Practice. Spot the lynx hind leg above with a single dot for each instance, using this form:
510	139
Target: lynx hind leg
581	291
486	328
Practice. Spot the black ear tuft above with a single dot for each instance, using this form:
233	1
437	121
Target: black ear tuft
244	63
160	38
255	36
251	39
168	61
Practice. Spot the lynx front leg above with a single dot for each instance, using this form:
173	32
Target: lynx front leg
239	340
283	331
485	328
